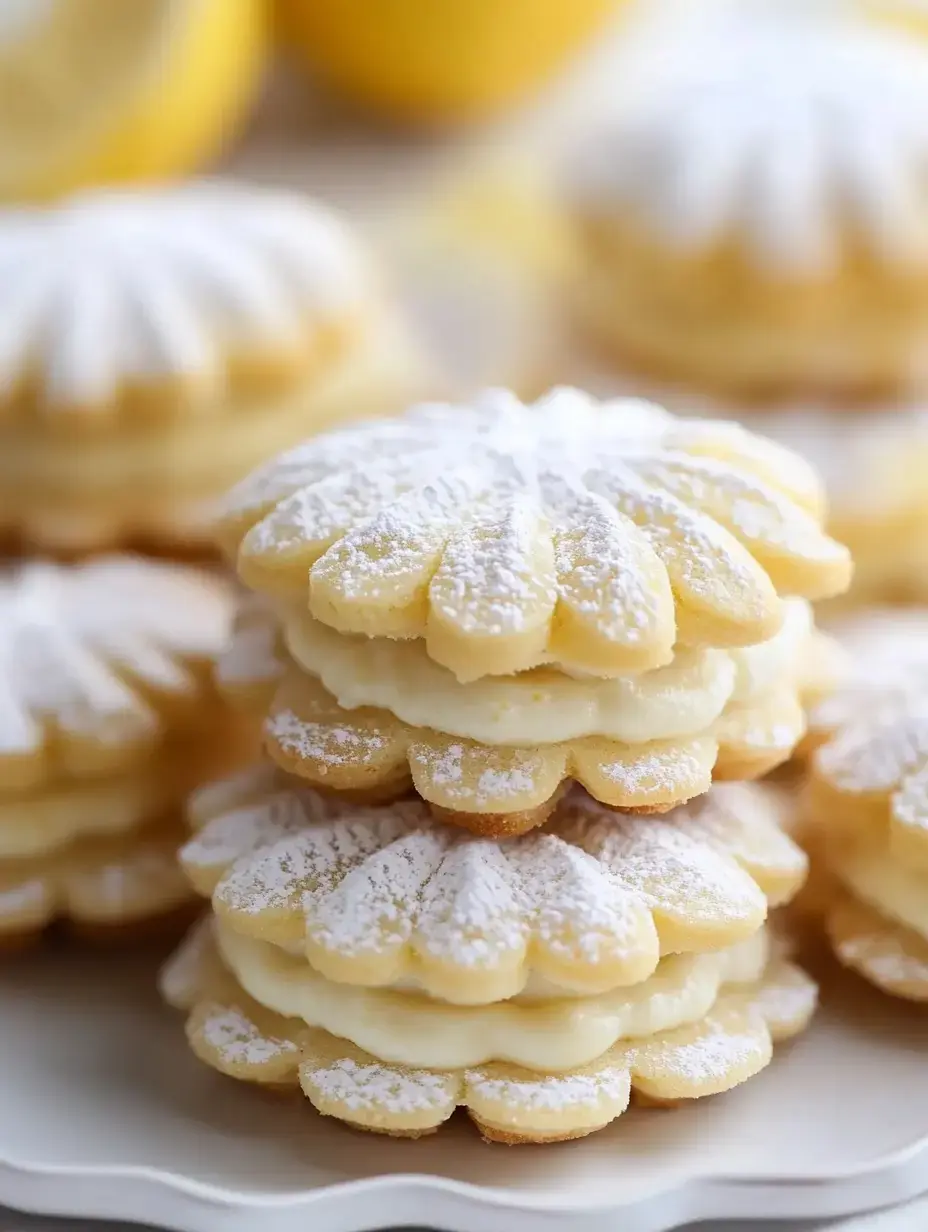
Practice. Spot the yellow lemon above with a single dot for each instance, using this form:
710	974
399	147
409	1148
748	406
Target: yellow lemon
438	60
105	91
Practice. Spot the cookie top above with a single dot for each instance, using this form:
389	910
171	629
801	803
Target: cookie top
99	662
117	305
786	128
592	535
373	896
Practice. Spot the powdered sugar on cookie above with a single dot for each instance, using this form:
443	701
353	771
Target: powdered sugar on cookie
592	535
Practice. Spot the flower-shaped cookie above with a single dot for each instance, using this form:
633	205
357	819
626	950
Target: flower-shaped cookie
871	772
867	868
161	344
752	216
499	790
374	895
121	306
596	536
236	1035
768	123
107	887
873	462
885	668
100	663
886	953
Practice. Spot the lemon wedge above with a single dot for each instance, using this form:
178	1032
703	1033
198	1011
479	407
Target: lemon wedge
106	91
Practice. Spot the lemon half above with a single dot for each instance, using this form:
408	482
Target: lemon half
107	91
438	60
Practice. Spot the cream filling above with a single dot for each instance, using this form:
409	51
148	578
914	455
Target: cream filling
410	1029
876	878
545	705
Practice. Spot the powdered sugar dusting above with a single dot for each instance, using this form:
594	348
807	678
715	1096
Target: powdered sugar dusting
323	743
94	650
887	965
369	1086
910	804
238	1041
876	755
760	125
460	776
169	287
669	869
393	881
711	1057
607	1085
493	516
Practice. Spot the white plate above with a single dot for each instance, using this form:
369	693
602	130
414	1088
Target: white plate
103	1112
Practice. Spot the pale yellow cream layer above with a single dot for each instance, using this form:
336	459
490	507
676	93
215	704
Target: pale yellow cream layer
549	1035
546	705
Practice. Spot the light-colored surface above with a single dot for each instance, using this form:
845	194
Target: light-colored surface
107	1081
149	1134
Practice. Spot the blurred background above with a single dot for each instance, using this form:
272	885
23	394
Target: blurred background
621	194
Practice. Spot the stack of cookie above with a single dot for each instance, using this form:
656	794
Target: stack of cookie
155	347
866	810
502	652
108	719
158	345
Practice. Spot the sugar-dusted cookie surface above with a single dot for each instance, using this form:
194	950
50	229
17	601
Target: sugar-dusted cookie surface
170	340
873	461
595	536
752	212
190	296
101	663
509	1103
498	790
372	895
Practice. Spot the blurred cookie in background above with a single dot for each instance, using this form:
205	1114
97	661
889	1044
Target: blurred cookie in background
752	216
108	720
875	466
104	92
155	346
